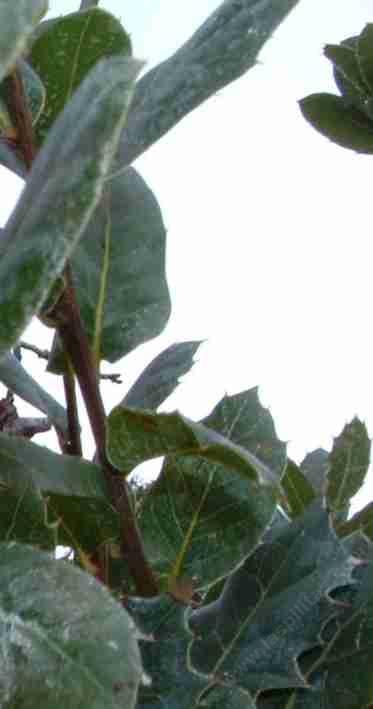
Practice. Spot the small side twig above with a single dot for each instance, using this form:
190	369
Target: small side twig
115	377
74	446
43	354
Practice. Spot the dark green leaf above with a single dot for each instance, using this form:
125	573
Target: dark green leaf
64	641
362	520
23	462
222	50
347	73
24	517
343	124
44	495
65	53
315	467
164	650
15	378
349	462
17	20
272	608
220	697
299	491
364	51
119	271
200	519
161	376
339	674
136	435
244	420
56	205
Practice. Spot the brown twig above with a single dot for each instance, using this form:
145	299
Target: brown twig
115	377
74	446
21	115
76	345
75	342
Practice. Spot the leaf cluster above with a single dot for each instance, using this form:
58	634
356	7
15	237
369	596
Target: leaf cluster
238	578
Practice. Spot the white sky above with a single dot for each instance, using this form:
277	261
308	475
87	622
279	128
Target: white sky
269	246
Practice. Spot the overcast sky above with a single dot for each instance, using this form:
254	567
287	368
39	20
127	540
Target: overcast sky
269	245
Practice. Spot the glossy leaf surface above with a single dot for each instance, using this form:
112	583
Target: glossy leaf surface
347	73
341	123
65	53
365	55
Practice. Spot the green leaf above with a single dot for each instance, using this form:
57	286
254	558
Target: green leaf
43	493
118	271
136	435
365	55
299	491
272	608
347	72
65	641
17	19
24	517
161	376
244	420
57	203
315	467
200	519
339	673
23	462
164	646
349	462
65	53
235	31
341	123
15	378
361	521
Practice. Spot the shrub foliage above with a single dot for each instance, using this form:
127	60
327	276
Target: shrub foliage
238	578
